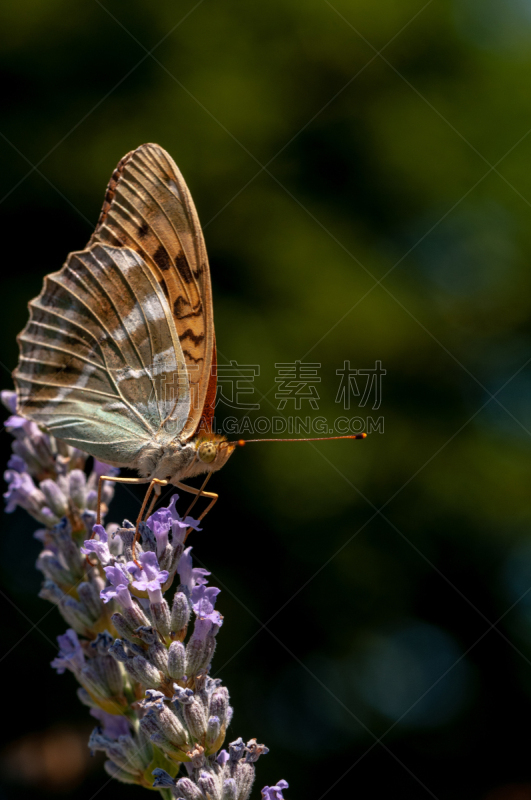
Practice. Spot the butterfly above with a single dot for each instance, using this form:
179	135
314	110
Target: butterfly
119	355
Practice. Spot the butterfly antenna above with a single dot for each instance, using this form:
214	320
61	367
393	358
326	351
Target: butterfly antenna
241	442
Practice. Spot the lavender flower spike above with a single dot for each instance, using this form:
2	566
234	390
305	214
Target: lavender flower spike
148	646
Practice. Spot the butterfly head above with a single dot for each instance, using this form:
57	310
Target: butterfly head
212	452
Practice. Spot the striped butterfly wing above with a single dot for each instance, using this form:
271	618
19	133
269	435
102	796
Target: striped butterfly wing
101	365
149	209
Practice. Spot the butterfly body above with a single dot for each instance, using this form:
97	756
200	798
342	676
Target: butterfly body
118	357
174	461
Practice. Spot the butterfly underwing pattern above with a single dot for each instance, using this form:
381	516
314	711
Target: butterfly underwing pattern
119	355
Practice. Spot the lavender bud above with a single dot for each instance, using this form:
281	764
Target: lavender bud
74	614
171	726
136	757
113	748
118	774
147	634
161	721
175	556
51	592
163	743
236	749
62	538
95	579
183	696
93	683
195	717
144	747
112	674
158	655
161	617
52	568
180	612
209	786
91	599
85	698
55	498
123	627
149	724
244	776
188	790
195	656
230	790
219	704
119	652
176	661
213	731
165	560
41	445
255	750
210	646
77	484
162	779
134	616
148	674
91	501
107	493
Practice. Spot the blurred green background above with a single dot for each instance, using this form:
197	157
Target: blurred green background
362	174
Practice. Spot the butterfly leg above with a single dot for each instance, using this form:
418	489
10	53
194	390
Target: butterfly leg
156	495
199	493
98	511
153	484
116	480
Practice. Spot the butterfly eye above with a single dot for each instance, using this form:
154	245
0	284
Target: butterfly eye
207	452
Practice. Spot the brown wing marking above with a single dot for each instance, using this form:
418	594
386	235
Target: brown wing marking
97	354
206	421
149	209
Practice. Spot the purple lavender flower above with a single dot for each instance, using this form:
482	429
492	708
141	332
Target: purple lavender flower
15	422
160	524
176	517
119	588
98	546
203	599
190	576
275	792
9	399
20	488
113	725
71	655
150	577
166	519
99	469
21	491
17	463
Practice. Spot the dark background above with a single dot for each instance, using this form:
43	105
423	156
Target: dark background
362	172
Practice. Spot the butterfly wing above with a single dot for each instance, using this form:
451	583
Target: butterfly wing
149	209
101	365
